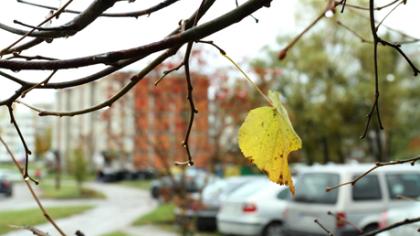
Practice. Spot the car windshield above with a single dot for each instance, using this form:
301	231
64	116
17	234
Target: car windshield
310	188
403	185
235	184
249	188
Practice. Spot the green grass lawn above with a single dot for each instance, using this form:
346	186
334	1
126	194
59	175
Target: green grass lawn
163	214
32	217
67	177
139	184
68	190
8	165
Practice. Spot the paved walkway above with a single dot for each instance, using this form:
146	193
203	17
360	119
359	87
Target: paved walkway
22	199
122	206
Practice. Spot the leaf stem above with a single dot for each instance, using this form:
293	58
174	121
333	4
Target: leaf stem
224	54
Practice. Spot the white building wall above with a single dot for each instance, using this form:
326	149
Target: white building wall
24	118
89	131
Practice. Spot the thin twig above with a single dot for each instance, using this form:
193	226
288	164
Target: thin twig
108	103
376	41
392	226
375	105
331	5
135	14
190	99
42	83
133	81
58	12
375	8
14	79
33	230
363	40
397	47
323	227
22	139
29	106
403	34
166	72
108	58
377	165
253	17
388	14
185	142
30	26
31	190
223	53
343	5
29	44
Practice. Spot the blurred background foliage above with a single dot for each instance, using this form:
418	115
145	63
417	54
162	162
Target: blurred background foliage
327	83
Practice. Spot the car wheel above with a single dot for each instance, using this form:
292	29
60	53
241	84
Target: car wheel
370	228
273	229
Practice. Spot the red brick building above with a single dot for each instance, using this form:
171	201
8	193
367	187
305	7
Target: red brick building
161	119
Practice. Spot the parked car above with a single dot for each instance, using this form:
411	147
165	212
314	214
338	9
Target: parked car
204	206
6	187
193	179
352	208
254	209
397	215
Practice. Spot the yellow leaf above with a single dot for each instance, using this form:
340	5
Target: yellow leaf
267	137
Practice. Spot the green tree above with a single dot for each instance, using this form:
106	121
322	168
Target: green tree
78	167
326	80
43	141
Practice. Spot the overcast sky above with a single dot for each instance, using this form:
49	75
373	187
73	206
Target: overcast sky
243	40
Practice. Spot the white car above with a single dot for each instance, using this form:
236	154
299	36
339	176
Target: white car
204	206
348	210
394	216
254	209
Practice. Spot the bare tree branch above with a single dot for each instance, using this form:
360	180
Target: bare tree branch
77	24
392	226
135	14
32	43
190	99
31	190
316	221
33	230
412	161
193	34
331	5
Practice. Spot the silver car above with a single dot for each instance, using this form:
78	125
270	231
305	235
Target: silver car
348	210
394	216
254	209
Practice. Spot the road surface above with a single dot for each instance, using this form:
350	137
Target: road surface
122	206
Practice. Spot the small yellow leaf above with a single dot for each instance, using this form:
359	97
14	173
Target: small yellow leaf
267	137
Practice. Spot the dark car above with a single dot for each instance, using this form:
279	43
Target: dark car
193	180
5	186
